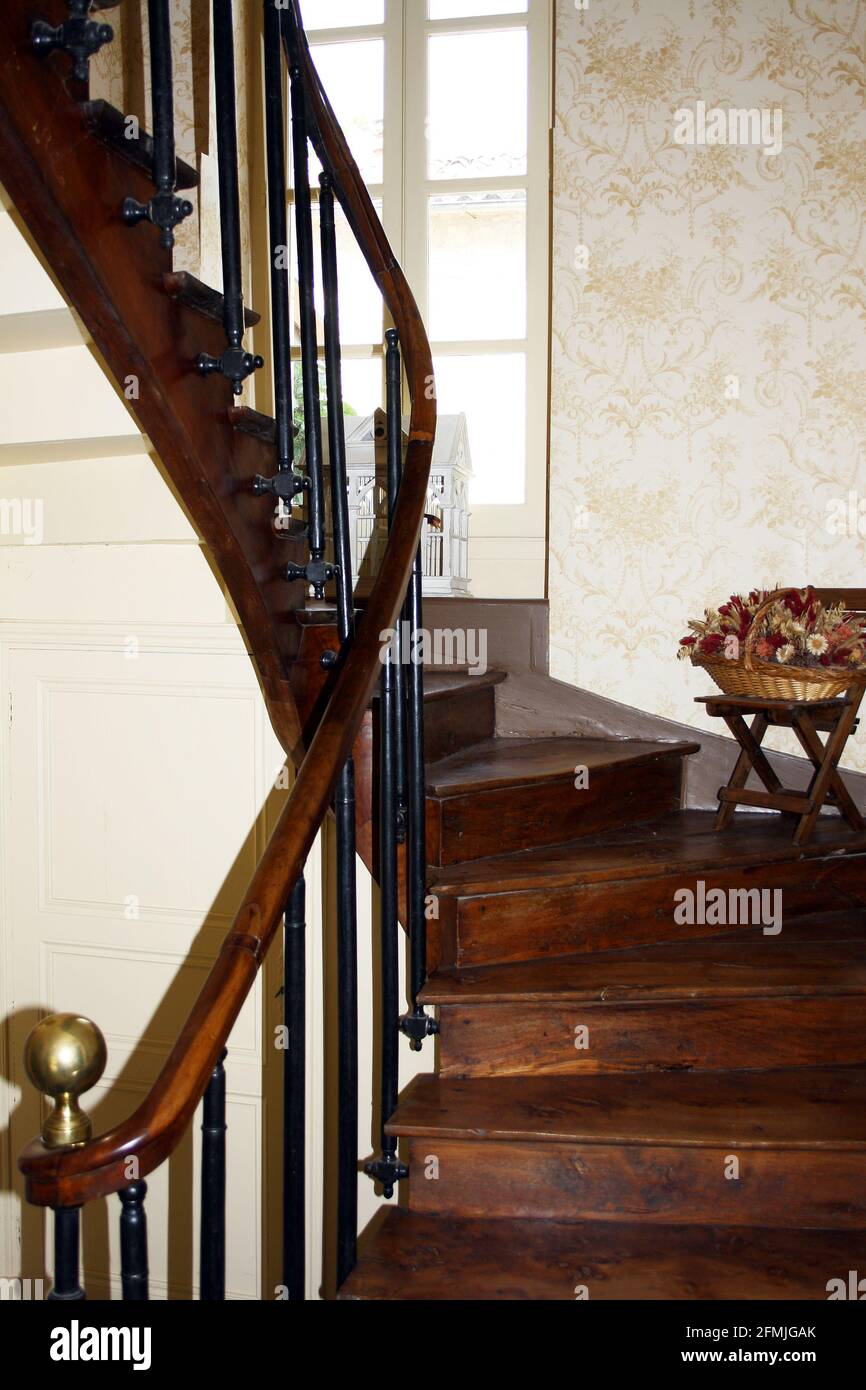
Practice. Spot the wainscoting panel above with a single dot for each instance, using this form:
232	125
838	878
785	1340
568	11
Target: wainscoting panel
137	778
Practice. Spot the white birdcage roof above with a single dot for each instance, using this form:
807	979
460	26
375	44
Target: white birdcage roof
451	447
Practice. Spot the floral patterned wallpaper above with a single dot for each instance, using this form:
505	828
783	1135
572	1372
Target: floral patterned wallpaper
709	328
120	73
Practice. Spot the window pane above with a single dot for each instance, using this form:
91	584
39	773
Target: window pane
353	75
362	392
360	297
476	116
336	14
491	392
467	9
477	265
362	385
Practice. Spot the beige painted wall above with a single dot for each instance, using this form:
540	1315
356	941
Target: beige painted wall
677	269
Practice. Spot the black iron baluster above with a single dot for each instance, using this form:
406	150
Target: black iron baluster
336	427
387	1168
317	571
416	1024
236	364
286	484
133	1243
67	1288
79	36
394	420
212	1274
165	210
347	924
347	1026
294	1093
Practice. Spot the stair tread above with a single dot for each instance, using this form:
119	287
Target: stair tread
249	421
409	1256
506	762
824	954
441	682
816	1108
195	294
110	126
683	840
444	682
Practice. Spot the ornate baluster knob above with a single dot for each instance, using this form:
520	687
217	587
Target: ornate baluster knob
65	1056
78	36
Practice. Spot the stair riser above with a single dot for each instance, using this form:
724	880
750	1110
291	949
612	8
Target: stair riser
526	1039
510	819
567	1182
455	723
495	928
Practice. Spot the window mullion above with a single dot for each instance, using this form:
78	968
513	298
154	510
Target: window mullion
392	189
415	152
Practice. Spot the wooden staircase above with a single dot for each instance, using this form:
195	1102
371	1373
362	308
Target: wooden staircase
624	1106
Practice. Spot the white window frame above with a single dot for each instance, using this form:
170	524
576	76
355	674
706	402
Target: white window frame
508	540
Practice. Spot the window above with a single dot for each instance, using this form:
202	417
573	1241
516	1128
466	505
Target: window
446	106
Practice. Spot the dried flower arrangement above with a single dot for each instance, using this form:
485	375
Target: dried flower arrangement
781	643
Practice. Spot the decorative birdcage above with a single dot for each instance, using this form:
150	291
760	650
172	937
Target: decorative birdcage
445	533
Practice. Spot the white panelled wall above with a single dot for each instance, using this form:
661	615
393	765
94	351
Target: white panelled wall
138	771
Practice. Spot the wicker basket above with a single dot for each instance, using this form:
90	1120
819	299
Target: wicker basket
750	676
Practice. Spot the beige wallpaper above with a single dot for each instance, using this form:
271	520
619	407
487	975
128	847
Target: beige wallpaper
709	308
120	74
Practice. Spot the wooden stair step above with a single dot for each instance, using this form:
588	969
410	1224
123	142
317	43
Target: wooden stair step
824	953
111	128
440	682
407	1256
744	1148
444	682
195	294
459	710
249	421
616	889
730	1002
509	794
459	707
816	1109
684	841
517	762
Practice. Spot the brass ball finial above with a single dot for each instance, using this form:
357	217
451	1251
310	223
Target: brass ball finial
64	1056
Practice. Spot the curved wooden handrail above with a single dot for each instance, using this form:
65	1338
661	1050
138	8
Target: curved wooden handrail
69	1177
